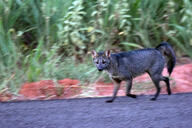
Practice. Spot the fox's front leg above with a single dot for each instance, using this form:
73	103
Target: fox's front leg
116	83
128	89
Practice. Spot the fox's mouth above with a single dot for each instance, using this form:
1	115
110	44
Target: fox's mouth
100	69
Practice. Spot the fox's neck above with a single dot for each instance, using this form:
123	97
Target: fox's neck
112	69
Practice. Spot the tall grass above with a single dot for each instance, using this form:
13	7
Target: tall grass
51	39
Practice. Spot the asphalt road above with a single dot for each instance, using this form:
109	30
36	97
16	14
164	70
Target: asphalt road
173	111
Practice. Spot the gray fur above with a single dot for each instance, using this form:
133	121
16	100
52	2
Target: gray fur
125	66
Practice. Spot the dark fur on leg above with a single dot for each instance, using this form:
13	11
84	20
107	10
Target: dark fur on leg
156	79
128	89
116	83
166	80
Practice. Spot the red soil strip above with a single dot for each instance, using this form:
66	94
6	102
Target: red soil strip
5	96
181	81
47	89
183	78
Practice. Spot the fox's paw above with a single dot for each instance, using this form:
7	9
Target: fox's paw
131	95
109	101
169	93
153	99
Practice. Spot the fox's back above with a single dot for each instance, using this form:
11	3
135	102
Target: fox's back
138	61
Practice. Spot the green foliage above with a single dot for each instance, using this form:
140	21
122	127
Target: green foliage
51	39
70	30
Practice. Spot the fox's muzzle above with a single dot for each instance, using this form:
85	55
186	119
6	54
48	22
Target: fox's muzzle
100	69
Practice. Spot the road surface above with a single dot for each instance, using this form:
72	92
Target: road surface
173	111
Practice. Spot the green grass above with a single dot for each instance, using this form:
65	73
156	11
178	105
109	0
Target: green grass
51	39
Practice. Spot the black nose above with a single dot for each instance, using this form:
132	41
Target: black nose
100	69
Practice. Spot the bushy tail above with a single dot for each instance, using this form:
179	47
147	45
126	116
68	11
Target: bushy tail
167	51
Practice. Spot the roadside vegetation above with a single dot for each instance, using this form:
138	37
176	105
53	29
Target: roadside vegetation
52	39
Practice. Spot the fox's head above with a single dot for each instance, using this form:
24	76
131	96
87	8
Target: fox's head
101	59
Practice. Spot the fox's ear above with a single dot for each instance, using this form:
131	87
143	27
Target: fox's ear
108	53
93	53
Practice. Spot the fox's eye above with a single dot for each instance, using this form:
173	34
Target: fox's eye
103	62
97	62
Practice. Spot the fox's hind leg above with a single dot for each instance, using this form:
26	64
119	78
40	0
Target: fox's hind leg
128	89
166	80
156	79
